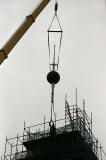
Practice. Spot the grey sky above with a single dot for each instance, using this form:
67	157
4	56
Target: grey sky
24	91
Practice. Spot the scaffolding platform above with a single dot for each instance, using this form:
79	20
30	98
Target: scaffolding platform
71	138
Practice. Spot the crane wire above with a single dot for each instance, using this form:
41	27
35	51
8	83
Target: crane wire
49	50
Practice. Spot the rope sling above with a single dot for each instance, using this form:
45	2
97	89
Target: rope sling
55	31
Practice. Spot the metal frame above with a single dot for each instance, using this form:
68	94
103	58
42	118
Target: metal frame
75	119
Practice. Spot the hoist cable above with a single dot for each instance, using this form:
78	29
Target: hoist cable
58	22
52	100
55	15
51	22
49	51
59	50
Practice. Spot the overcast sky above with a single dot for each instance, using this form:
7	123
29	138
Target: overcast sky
24	90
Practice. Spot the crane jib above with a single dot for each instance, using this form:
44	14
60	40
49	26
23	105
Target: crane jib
10	44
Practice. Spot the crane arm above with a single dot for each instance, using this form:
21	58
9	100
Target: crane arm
10	44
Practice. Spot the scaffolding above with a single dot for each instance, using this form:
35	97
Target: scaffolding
75	119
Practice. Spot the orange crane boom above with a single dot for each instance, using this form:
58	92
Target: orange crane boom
10	44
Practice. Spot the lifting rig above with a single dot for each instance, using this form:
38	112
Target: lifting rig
30	19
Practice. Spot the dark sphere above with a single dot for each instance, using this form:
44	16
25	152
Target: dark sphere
53	77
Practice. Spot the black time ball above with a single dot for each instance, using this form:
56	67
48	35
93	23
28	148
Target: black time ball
53	77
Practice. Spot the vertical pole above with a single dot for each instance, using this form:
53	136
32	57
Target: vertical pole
73	115
28	133
55	119
52	94
44	123
100	152
91	122
51	113
36	134
24	125
52	100
22	142
17	144
84	116
24	136
65	110
5	148
91	127
11	151
97	147
76	97
76	110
